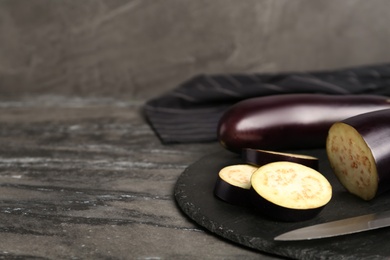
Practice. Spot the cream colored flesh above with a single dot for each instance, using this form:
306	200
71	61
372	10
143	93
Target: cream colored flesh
238	175
292	185
352	161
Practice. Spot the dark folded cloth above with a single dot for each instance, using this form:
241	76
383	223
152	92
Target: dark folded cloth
190	112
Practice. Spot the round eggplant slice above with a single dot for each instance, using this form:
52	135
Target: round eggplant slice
258	157
358	149
289	191
233	184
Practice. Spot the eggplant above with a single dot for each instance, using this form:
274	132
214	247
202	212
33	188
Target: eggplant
290	121
258	157
358	149
233	184
289	191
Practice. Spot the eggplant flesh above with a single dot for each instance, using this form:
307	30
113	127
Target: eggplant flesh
290	121
358	150
289	191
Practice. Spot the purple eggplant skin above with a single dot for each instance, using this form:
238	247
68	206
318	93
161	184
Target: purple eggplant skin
290	121
231	194
374	128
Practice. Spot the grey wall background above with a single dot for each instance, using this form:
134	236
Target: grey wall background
137	49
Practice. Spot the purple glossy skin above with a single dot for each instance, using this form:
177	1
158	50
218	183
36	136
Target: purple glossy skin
374	127
290	121
231	194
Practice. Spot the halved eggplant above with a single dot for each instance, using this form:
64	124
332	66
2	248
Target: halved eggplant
289	191
258	157
233	184
358	149
290	121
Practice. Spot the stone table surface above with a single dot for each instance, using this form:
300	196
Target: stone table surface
87	178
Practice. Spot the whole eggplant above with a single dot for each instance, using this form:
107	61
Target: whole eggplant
358	149
290	121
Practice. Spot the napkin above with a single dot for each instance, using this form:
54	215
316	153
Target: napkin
190	112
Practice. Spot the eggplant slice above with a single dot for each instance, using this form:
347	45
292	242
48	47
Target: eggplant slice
258	157
233	184
289	191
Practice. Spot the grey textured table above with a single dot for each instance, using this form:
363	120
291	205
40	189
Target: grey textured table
86	178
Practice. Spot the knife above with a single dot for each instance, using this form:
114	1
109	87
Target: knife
338	227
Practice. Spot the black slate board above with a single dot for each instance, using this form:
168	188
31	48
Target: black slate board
194	195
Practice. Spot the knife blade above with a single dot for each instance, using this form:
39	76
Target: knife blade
339	227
